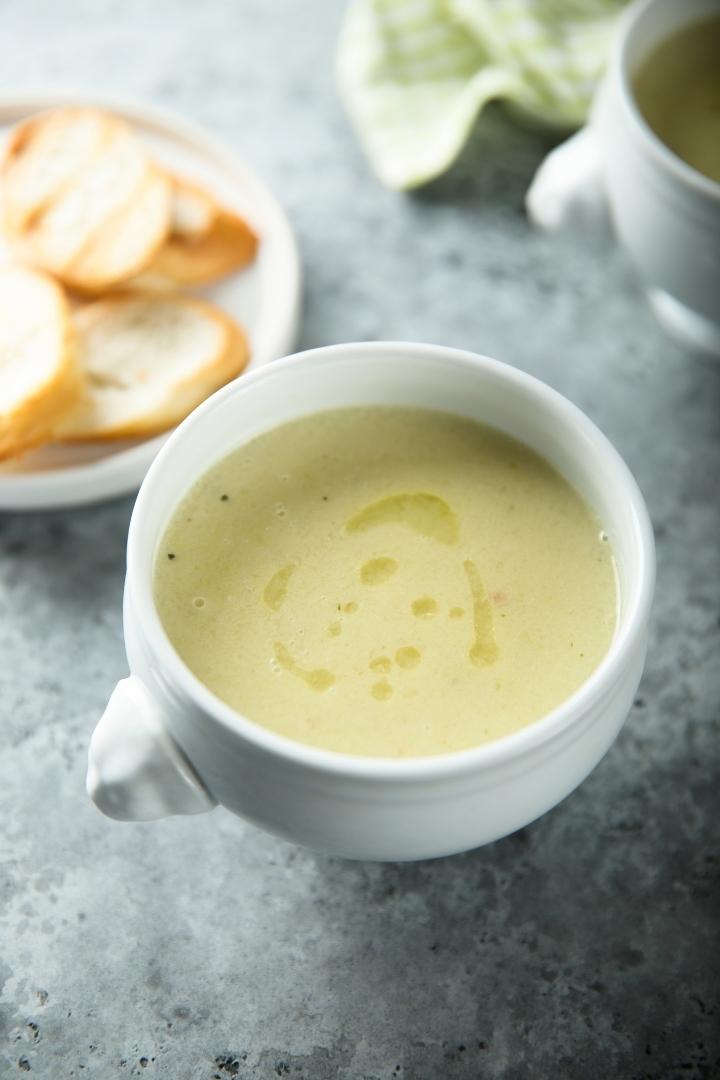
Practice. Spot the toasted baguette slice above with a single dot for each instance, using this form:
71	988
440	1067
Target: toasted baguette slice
39	378
43	154
184	261
127	241
106	221
60	234
148	361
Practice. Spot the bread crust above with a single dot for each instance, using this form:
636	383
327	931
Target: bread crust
33	420
229	245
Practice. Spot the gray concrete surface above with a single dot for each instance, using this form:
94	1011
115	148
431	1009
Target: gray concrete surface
584	947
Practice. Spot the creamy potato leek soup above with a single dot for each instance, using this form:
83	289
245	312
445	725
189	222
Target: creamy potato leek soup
387	581
677	89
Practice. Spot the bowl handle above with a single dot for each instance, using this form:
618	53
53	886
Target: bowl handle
568	191
136	772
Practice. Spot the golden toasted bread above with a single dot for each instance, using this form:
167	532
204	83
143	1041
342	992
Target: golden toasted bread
111	198
126	242
45	153
148	360
229	245
39	378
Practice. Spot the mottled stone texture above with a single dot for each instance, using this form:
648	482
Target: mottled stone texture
586	946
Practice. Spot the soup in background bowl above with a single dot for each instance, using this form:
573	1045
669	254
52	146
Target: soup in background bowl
677	89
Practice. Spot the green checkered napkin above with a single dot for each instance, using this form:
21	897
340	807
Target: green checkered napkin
415	73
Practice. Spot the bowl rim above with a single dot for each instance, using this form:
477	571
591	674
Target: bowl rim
629	635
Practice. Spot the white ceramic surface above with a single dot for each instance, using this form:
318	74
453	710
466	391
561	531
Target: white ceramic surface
666	214
265	297
354	806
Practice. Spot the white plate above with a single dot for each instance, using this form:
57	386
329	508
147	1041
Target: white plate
265	298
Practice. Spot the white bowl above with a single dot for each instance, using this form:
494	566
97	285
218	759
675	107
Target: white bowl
166	744
667	214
